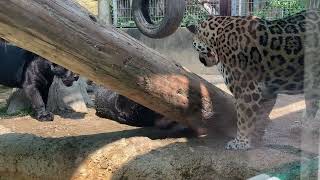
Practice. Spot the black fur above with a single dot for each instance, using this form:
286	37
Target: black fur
193	29
112	105
22	69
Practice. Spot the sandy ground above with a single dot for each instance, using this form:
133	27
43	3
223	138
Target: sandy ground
281	141
287	108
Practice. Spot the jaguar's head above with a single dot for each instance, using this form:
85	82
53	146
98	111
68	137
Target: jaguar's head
203	43
67	76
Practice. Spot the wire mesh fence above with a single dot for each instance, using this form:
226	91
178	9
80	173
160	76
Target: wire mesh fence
268	9
196	12
122	12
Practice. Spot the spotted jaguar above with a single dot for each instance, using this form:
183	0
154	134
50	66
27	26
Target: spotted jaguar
259	59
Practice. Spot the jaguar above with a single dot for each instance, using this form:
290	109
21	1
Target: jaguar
23	69
259	59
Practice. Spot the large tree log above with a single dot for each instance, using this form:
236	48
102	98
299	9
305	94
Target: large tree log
66	34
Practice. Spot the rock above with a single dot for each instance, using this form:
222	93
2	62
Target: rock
62	98
101	149
84	87
17	102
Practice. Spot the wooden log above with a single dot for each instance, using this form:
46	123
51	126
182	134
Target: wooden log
67	34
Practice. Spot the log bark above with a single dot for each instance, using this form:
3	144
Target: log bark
65	33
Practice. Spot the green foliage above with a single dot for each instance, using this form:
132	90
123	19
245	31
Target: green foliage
3	110
4	115
123	23
194	14
271	9
189	20
275	9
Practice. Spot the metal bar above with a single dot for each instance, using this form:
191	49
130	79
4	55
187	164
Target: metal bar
115	13
104	13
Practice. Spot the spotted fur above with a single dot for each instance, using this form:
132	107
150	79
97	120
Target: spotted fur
260	59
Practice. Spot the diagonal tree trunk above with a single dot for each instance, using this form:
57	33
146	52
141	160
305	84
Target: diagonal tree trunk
67	34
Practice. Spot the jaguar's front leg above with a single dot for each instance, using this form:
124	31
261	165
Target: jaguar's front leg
37	103
245	122
251	109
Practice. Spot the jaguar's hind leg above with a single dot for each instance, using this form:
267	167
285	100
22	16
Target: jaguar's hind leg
312	105
263	119
310	120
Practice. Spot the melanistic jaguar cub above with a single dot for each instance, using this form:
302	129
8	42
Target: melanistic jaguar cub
22	69
260	59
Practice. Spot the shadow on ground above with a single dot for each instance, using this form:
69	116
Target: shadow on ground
67	149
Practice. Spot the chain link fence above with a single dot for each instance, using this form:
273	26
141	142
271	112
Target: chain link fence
122	12
268	9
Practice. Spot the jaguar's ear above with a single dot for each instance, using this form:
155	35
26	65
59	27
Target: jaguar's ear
53	66
56	69
193	29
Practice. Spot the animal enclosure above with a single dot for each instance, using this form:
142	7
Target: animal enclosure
82	147
122	11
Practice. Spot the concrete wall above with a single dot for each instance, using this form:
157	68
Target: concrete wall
91	5
177	47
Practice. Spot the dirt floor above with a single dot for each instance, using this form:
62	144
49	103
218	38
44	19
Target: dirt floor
281	146
287	107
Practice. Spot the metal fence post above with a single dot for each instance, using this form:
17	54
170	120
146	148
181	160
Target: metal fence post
104	12
115	13
225	7
234	7
313	4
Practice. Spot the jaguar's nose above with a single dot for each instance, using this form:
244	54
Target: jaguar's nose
76	77
203	61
